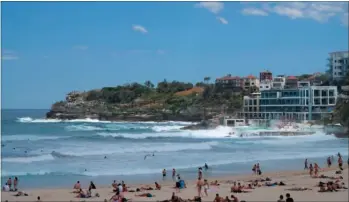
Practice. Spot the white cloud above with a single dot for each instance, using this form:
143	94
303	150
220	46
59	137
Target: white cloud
214	7
139	28
9	57
80	47
222	20
318	11
254	11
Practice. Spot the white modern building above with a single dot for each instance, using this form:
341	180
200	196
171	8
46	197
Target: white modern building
303	103
339	64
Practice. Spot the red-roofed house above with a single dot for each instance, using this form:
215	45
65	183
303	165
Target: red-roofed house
291	82
234	83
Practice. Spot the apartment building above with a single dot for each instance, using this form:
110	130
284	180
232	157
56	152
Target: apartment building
339	64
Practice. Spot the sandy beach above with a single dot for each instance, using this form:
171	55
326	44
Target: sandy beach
290	178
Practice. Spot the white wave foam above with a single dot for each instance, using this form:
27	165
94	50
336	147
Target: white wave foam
28	137
166	128
28	159
107	149
88	120
31	120
83	128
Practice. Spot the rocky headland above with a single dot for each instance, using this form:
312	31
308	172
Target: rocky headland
169	101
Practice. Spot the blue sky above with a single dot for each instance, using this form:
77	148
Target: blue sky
52	48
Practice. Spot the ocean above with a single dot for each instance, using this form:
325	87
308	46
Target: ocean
54	153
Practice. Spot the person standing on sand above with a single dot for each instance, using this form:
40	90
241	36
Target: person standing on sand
316	169
329	162
9	183
199	184
254	169
200	173
15	183
259	172
206	186
306	164
163	174
311	170
173	174
340	162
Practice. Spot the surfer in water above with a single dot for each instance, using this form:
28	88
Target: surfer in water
148	155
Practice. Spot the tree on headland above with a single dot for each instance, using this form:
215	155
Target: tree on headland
149	84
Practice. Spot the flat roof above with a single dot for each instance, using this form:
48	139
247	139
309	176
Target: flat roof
339	52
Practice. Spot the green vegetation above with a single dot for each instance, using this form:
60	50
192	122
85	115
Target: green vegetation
137	96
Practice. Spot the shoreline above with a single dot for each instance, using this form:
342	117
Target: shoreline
292	178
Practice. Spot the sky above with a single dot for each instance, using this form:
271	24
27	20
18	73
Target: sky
51	48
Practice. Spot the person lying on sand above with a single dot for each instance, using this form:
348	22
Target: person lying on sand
298	189
157	186
214	183
149	195
21	194
249	186
146	188
329	188
238	189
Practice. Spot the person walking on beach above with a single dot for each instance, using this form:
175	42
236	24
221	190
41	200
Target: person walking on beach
340	162
173	174
163	174
329	162
306	164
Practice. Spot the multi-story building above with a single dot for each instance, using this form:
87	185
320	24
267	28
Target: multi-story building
250	81
339	64
304	102
233	83
278	82
265	76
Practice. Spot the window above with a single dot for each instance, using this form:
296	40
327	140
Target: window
324	93
331	93
316	93
255	102
324	101
266	86
317	101
331	101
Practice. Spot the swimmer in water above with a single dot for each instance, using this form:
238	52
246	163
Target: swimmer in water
105	157
206	166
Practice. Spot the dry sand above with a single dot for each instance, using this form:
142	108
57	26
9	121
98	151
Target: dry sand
291	178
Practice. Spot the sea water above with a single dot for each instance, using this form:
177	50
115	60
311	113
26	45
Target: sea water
55	153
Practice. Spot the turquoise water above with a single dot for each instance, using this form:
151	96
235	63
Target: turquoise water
55	153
